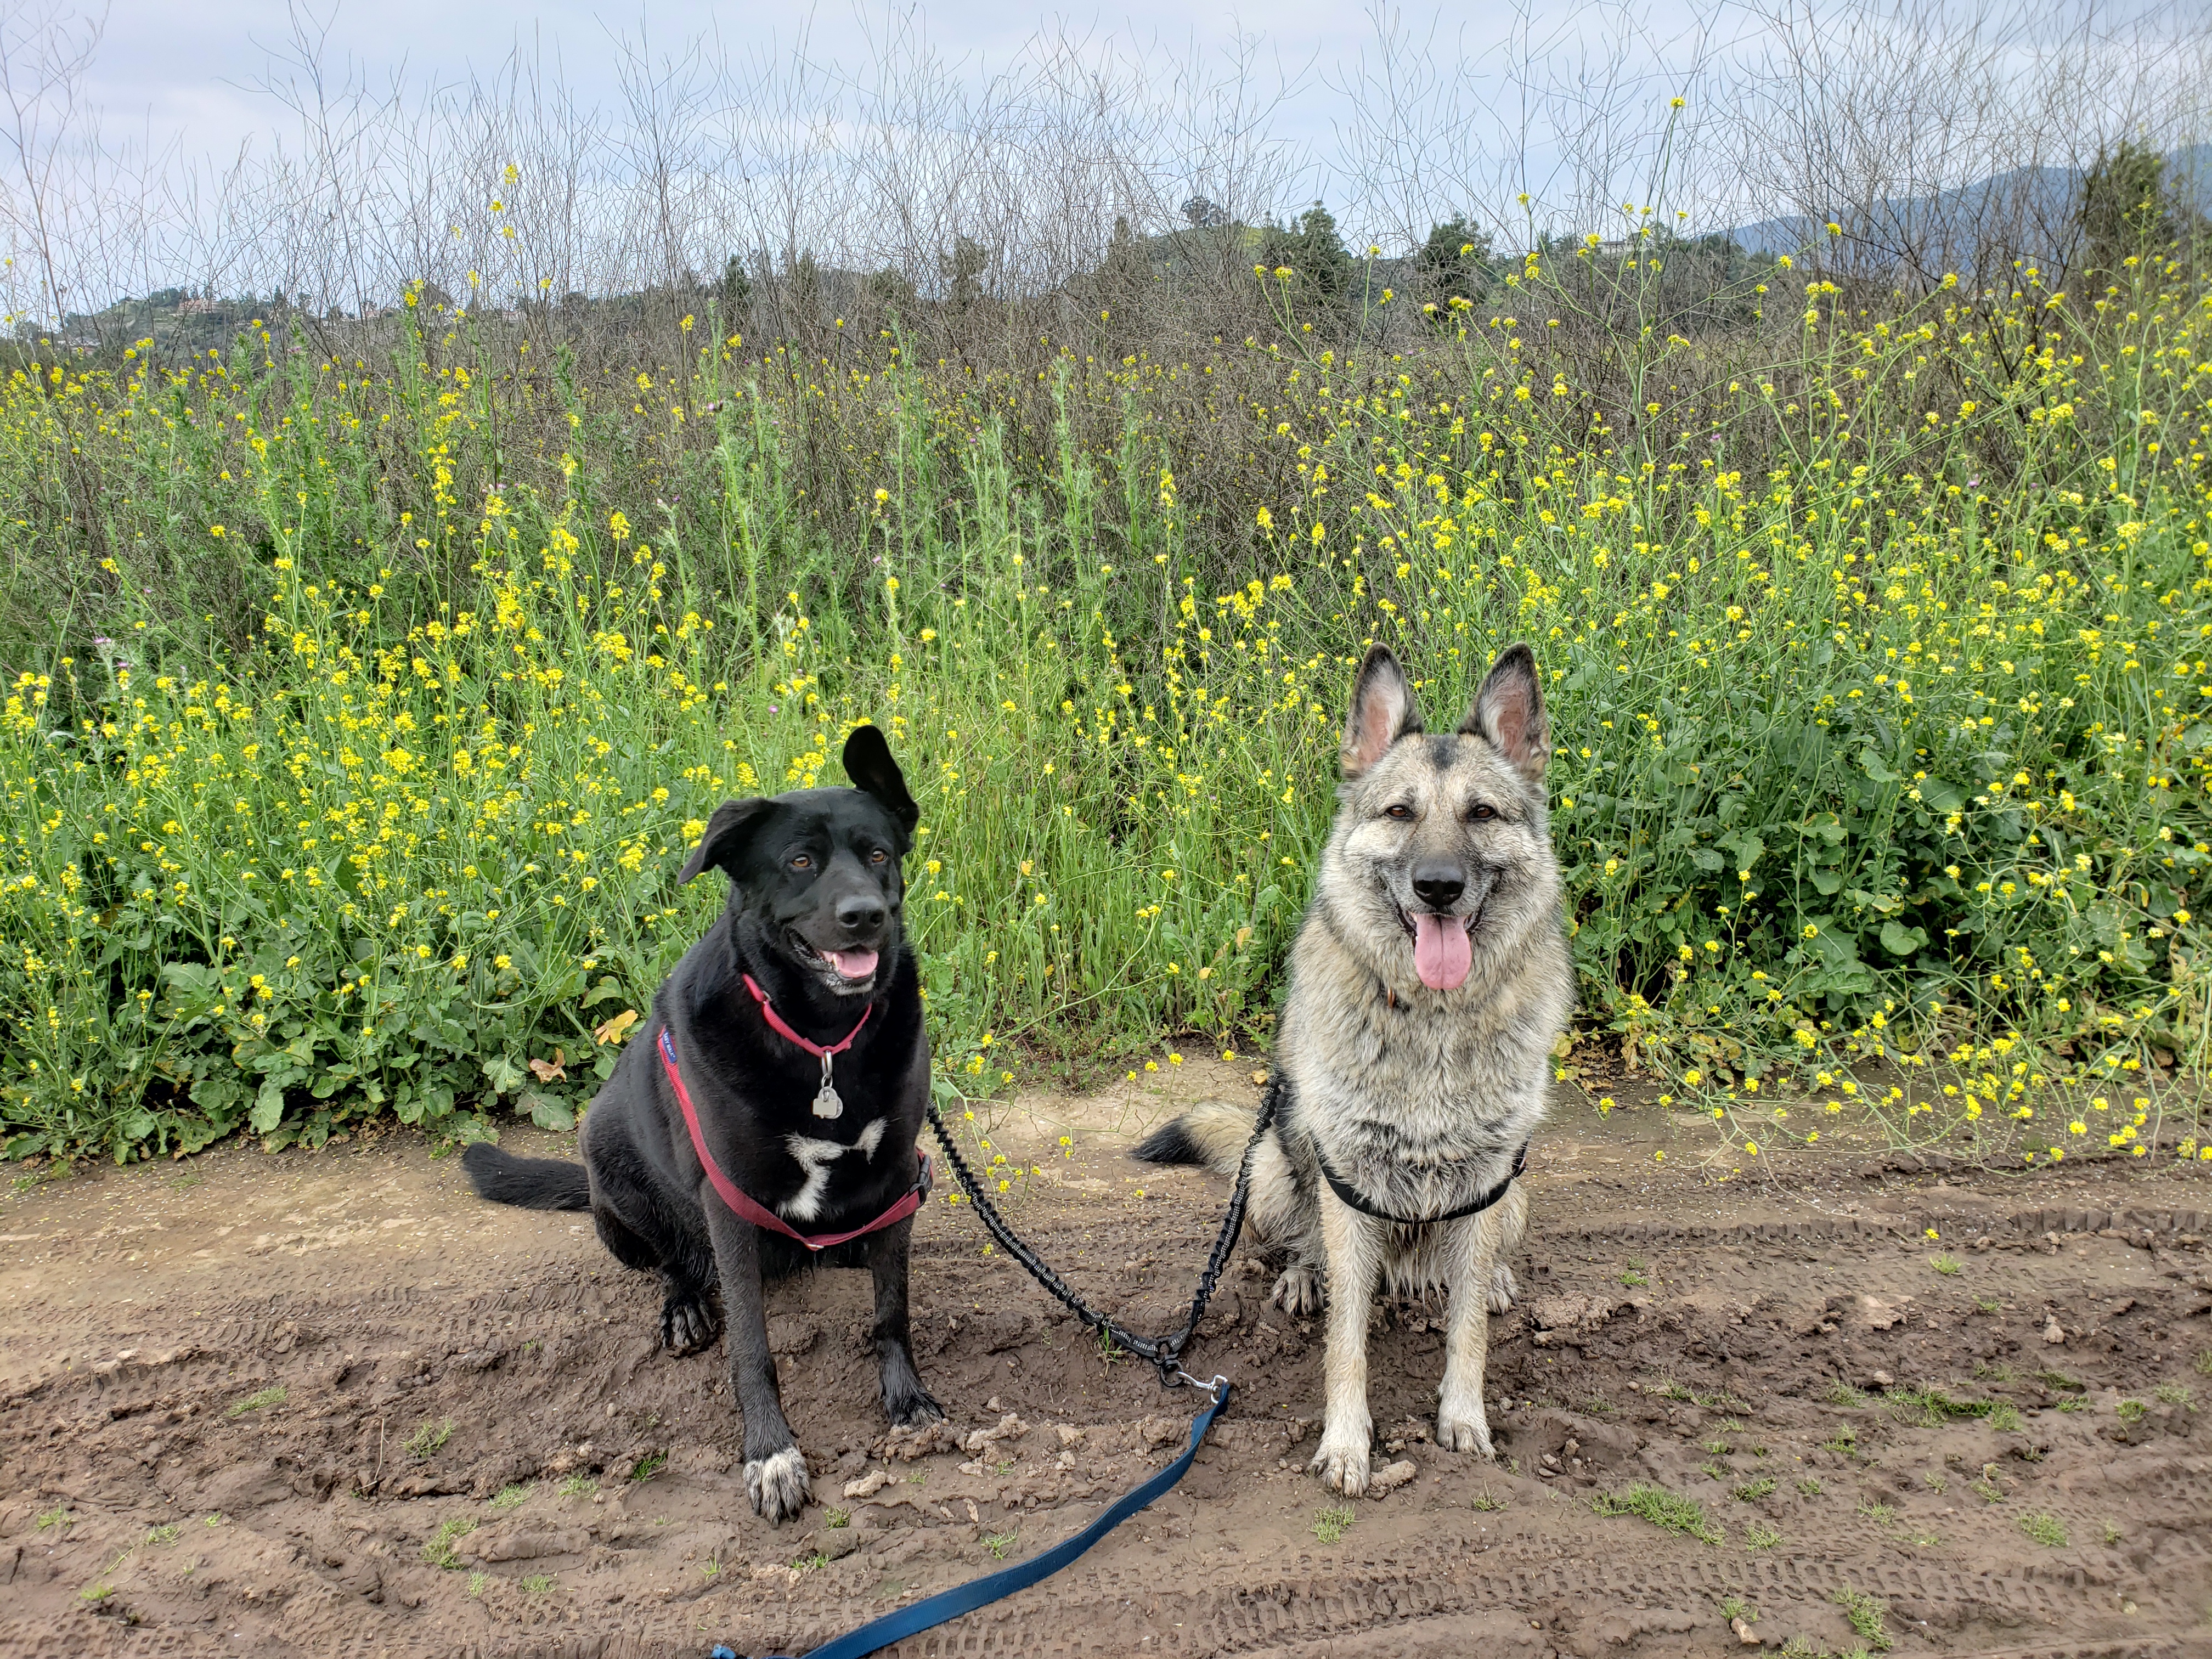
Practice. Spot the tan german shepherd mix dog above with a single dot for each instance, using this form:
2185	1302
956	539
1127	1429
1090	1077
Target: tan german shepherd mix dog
1428	985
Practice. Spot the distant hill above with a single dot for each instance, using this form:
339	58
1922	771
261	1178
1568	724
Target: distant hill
1941	227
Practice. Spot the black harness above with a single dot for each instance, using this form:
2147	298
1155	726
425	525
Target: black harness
1345	1190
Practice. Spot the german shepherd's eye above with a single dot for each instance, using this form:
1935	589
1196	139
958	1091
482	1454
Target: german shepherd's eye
1483	813
1401	811
800	861
877	856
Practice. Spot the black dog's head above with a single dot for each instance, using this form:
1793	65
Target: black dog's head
816	872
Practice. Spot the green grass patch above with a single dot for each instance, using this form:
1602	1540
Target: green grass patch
438	1550
2045	1529
1866	1615
510	1496
1761	1535
1750	1492
648	1466
1331	1522
999	1543
1668	1511
427	1438
259	1401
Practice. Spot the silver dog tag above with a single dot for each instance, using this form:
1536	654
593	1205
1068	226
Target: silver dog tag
826	1101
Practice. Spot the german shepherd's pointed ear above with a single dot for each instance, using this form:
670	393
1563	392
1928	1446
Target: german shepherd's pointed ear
731	827
1382	712
1508	713
868	763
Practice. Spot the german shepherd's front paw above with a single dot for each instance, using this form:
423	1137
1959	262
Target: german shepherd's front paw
1505	1288
688	1322
1297	1291
1342	1466
1463	1431
778	1485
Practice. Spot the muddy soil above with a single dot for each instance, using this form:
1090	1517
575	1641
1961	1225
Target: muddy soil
330	1404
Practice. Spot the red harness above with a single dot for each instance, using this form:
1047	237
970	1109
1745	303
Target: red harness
759	1214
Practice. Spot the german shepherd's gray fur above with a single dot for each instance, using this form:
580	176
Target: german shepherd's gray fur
1428	985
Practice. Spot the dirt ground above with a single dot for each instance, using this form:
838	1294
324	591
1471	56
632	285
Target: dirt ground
329	1403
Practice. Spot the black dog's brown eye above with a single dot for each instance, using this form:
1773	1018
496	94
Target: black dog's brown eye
877	856
800	861
1483	814
1399	811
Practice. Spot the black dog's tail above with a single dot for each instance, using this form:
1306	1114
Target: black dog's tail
1212	1133
535	1183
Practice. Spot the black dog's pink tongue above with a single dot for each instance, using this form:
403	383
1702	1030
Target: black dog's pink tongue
859	965
1442	955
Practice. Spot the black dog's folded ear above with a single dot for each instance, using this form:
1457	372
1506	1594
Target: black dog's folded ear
731	827
868	763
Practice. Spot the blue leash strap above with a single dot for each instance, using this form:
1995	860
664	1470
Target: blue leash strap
937	1609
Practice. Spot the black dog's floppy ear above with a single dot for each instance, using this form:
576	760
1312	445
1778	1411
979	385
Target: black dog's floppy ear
868	763
733	824
1382	712
1509	711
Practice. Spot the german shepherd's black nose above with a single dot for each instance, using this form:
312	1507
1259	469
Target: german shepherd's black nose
1438	886
859	912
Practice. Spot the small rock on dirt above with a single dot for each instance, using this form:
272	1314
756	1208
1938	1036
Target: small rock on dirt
1391	1476
869	1484
2053	1332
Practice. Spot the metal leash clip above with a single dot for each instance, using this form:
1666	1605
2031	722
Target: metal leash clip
1212	1389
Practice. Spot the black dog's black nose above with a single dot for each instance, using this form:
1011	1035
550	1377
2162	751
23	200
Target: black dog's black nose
1438	886
859	912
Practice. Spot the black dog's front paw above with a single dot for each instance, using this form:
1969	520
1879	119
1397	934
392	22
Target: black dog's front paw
778	1485
688	1322
912	1408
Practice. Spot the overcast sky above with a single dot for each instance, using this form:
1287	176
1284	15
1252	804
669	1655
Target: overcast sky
191	69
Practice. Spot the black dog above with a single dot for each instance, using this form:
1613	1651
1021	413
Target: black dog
725	1106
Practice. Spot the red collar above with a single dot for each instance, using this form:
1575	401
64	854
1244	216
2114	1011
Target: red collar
744	1207
782	1027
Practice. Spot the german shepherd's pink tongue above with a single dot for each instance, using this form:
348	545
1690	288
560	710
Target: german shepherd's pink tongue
1441	954
859	965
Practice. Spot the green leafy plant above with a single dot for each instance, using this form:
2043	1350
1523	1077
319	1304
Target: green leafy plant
427	1438
647	1466
999	1543
509	1497
1760	1535
1750	1492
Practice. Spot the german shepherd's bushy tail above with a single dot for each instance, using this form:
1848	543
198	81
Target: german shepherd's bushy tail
1213	1133
534	1183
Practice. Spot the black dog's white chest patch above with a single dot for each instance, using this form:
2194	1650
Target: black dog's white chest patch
816	1158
